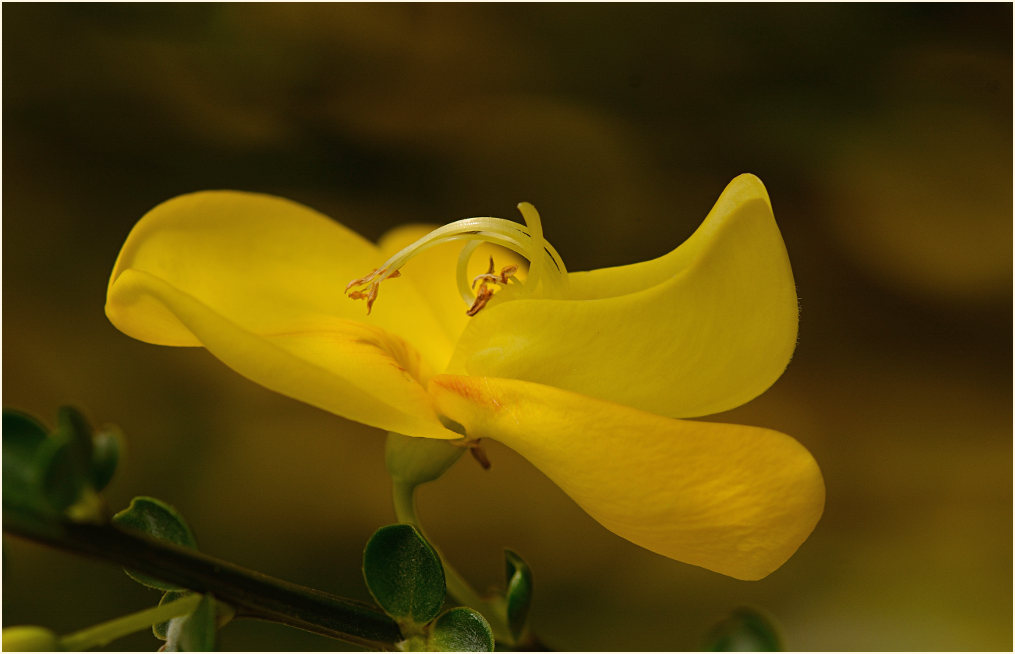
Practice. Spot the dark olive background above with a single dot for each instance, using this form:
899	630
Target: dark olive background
883	134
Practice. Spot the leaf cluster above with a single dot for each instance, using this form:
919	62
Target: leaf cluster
51	482
193	632
58	471
406	578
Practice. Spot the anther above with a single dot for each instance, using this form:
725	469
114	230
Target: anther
506	273
479	454
375	285
483	296
484	293
475	447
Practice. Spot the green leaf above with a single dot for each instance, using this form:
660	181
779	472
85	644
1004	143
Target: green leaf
63	475
745	630
518	595
64	460
161	629
107	444
460	630
58	472
156	519
404	574
21	433
194	632
72	427
22	437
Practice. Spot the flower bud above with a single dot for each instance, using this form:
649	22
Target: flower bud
29	638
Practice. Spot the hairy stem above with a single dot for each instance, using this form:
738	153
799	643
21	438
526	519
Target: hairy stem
251	593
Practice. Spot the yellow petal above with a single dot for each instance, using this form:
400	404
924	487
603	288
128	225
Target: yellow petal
260	262
737	500
700	330
259	281
346	367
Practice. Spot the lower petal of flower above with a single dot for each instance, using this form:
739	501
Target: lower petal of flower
355	370
733	499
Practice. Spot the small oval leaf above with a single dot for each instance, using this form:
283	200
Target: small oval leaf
745	630
21	432
460	630
64	460
156	519
194	632
518	595
107	445
161	629
63	476
22	437
404	574
72	427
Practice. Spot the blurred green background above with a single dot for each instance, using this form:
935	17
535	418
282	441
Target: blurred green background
884	136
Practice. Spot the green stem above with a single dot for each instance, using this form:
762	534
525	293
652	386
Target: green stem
106	632
404	496
252	594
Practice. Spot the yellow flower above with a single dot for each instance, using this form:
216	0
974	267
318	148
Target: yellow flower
588	375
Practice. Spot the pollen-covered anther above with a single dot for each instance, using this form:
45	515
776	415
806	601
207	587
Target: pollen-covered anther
484	293
483	296
374	280
506	273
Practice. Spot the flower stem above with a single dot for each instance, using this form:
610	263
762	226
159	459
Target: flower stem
106	632
251	593
404	496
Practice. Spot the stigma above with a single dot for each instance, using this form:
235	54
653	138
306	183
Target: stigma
547	276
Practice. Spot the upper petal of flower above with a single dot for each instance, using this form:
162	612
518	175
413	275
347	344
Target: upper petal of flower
737	500
259	281
703	329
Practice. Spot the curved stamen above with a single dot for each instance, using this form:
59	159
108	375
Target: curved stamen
526	240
